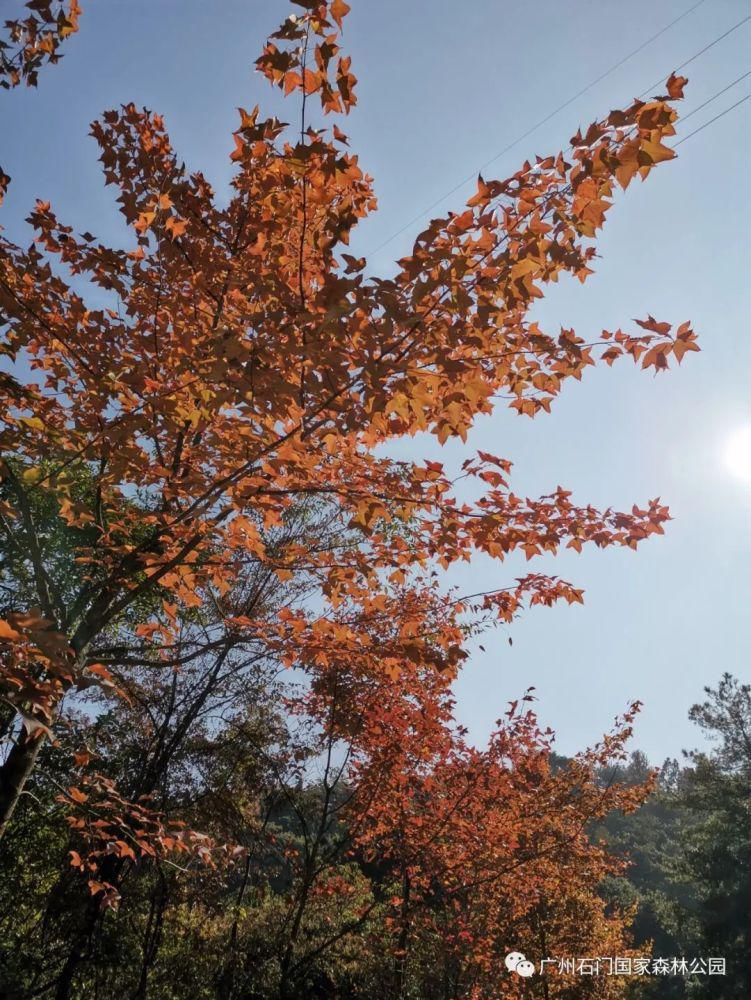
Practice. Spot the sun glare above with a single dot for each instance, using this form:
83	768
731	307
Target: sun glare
737	453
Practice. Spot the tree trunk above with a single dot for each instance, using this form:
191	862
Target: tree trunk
400	971
15	773
65	980
83	937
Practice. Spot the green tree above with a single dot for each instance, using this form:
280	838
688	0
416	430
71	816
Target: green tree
689	848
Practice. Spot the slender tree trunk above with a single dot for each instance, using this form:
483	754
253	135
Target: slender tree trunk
83	937
226	980
289	951
65	980
151	939
15	772
400	971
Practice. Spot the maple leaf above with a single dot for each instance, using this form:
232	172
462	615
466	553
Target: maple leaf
675	86
339	10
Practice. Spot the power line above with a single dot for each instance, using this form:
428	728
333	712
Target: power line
540	123
547	118
707	47
711	120
714	97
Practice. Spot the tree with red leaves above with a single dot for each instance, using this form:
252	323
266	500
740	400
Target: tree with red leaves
207	447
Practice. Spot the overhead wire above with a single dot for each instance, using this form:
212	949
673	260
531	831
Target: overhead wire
719	93
696	55
593	83
712	120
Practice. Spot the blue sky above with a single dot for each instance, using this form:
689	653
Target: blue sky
441	93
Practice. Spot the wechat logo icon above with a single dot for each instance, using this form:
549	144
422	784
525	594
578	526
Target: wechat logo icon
517	962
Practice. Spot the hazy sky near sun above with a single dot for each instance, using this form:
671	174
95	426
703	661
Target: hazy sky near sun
443	87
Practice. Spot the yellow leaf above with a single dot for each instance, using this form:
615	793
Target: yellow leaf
657	152
524	266
34	422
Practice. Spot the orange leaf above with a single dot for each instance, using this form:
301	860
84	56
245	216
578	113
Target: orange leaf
675	86
339	10
8	633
